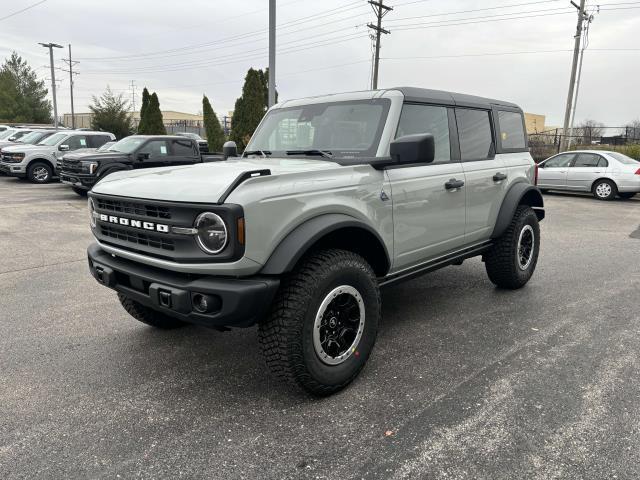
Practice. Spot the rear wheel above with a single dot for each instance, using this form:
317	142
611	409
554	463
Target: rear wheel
147	315
39	172
605	190
626	195
80	191
323	323
512	259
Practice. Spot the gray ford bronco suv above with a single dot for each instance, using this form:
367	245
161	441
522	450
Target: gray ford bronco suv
333	198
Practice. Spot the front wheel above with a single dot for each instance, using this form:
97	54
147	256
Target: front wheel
512	259
626	195
39	172
605	190
323	323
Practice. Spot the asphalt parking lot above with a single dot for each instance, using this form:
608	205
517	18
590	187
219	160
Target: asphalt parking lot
466	381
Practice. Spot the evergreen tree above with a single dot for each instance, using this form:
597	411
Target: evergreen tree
143	112
23	98
249	108
111	114
154	124
215	134
264	78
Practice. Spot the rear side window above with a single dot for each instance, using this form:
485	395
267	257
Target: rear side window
97	141
474	129
427	119
511	130
589	160
183	147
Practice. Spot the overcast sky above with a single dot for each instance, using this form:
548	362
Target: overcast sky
183	49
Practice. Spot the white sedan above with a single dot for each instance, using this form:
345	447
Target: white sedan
603	173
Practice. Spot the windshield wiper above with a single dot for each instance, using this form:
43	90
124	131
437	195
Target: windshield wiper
323	153
264	153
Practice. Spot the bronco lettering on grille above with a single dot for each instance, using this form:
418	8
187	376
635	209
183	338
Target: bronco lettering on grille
129	222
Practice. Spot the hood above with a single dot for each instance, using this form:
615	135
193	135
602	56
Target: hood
199	183
91	154
21	147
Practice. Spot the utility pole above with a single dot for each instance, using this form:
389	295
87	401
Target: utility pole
133	95
574	66
380	10
71	63
272	52
51	46
585	44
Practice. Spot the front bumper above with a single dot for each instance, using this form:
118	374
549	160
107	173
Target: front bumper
240	302
13	169
79	180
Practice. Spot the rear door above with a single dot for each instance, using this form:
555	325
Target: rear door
96	141
428	218
183	152
553	172
584	170
485	173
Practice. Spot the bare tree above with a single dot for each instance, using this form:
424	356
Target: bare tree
633	131
589	131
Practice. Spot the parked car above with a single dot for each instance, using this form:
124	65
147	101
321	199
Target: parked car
38	162
83	170
202	143
603	173
334	197
33	137
103	148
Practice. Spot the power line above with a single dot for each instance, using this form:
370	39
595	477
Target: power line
23	10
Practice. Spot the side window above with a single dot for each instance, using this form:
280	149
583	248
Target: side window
511	130
156	149
183	148
602	163
97	141
474	129
427	119
76	141
587	160
559	161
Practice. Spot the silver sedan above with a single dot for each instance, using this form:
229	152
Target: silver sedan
605	174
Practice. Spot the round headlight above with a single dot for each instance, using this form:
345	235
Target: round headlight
92	211
212	232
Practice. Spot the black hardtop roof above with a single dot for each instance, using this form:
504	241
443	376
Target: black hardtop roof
425	95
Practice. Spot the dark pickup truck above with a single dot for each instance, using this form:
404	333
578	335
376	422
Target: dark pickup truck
84	169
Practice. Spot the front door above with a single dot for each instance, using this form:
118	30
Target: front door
154	153
553	172
428	217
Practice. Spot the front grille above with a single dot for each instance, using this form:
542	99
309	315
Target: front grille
133	208
72	167
144	239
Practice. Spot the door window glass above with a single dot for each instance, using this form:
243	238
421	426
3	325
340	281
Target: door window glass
183	148
560	161
474	129
511	130
77	141
96	141
587	160
155	149
427	119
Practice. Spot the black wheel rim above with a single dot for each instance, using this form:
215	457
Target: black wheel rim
526	246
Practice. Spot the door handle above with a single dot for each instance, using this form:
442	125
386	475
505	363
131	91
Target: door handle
498	177
453	183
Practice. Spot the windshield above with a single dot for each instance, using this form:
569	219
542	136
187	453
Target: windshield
623	158
33	137
7	133
127	145
194	136
343	129
53	139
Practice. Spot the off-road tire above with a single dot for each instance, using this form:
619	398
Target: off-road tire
286	335
80	191
626	195
613	190
502	260
34	169
147	315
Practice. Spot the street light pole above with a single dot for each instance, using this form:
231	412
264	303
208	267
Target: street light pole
51	46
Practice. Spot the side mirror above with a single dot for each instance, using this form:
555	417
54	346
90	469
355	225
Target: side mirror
12	138
417	148
63	148
143	156
229	149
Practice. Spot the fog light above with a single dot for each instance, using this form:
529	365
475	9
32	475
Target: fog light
205	303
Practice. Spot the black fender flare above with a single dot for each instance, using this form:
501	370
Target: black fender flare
289	251
520	193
